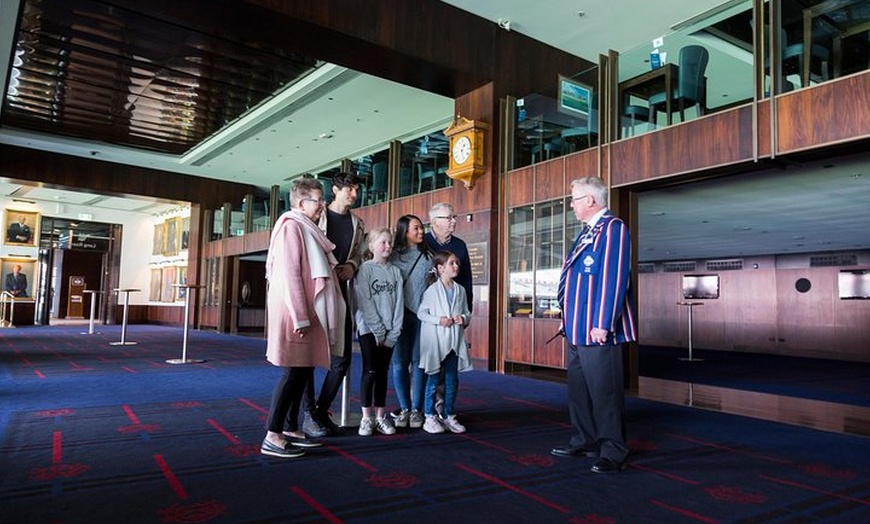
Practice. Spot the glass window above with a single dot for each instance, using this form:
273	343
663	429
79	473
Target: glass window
424	164
520	261
560	120
373	170
550	243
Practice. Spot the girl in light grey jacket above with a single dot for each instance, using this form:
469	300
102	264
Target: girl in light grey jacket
443	315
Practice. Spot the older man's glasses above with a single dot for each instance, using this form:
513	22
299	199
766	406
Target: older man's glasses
318	201
447	217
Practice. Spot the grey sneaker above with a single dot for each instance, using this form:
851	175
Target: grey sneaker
402	418
433	424
365	426
415	419
384	427
312	428
452	424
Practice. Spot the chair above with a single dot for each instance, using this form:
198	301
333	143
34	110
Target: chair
691	84
793	61
634	114
378	189
428	175
405	182
551	148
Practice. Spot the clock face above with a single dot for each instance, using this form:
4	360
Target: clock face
461	149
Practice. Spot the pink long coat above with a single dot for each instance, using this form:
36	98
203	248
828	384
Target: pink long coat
291	295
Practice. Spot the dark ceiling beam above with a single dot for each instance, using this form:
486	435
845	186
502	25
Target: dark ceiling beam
106	178
426	44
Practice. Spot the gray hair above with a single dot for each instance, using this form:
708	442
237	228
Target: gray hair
302	188
440	206
596	187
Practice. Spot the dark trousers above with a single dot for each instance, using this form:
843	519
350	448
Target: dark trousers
375	366
596	400
338	368
287	397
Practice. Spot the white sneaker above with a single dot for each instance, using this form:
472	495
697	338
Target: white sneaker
452	424
433	425
384	427
365	426
402	418
416	419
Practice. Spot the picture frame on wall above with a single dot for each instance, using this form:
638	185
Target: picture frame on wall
172	237
156	285
159	237
21	228
575	98
23	284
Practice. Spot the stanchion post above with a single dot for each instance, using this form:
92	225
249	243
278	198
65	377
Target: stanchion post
184	359
94	294
691	306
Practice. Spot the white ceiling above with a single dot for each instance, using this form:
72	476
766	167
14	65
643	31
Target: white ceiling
336	113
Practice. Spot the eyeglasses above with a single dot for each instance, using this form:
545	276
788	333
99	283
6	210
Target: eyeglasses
318	201
447	217
577	199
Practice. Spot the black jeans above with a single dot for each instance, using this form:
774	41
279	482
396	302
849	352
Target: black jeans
287	397
339	366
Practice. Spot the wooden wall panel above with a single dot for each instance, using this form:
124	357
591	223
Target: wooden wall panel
520	186
549	353
258	241
714	140
580	164
519	340
550	179
827	113
758	310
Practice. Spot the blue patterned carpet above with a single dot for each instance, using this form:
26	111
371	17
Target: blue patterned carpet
96	433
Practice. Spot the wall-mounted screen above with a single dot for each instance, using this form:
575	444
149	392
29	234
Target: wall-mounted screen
574	97
700	286
854	284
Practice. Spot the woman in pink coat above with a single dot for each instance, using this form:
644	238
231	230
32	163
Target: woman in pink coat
305	314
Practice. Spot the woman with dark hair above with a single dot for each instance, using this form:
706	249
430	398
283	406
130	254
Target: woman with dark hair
414	260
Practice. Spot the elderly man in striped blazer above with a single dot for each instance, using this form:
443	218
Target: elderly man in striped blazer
598	316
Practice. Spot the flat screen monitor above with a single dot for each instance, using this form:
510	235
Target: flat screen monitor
700	286
854	284
574	97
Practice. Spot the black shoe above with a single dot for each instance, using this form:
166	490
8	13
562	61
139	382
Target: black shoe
326	422
571	451
607	465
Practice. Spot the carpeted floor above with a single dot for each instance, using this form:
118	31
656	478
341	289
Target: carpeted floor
96	433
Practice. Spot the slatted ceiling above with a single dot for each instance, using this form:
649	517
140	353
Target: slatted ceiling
99	72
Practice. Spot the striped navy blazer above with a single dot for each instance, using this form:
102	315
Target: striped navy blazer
595	284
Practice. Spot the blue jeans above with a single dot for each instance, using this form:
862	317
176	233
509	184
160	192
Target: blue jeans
450	373
405	365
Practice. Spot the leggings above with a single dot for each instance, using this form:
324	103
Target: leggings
375	365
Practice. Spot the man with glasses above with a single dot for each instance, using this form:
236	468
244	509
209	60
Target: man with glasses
442	224
347	231
598	316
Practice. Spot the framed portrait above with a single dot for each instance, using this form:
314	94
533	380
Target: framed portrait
21	227
185	233
156	285
181	292
159	237
172	237
168	291
19	277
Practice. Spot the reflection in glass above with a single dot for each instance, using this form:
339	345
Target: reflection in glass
520	259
